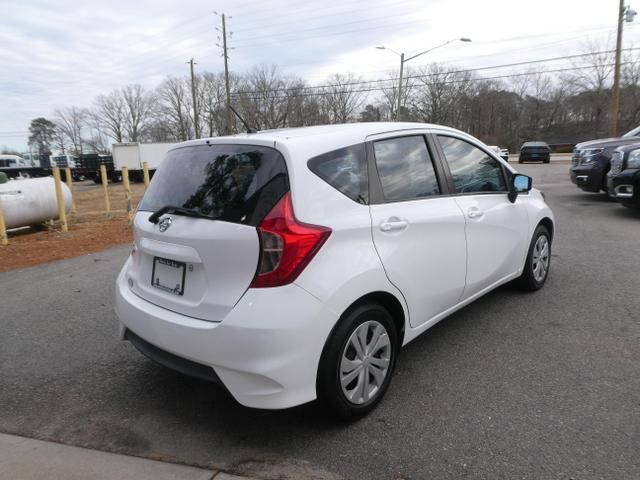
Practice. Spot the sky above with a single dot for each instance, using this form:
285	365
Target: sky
59	53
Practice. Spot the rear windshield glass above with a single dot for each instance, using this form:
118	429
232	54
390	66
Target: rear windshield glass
234	183
534	144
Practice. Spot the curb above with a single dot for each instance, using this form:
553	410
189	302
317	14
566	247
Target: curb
29	459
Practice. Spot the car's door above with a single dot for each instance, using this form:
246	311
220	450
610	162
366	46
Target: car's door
496	229
418	232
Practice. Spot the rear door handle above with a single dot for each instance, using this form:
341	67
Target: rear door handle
394	224
474	212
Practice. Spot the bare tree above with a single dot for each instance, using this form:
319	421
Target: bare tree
438	93
110	116
71	122
343	97
138	107
267	98
175	107
630	91
591	79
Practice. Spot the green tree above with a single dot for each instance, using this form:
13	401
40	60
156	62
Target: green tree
41	135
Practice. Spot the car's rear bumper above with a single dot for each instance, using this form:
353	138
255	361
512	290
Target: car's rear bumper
534	157
265	352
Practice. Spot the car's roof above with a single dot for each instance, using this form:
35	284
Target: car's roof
309	141
356	130
535	143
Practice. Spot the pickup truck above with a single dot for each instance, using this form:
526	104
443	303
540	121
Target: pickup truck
591	161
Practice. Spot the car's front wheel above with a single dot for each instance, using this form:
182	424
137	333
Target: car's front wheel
358	361
536	269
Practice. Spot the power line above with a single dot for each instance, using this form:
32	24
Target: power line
382	88
492	67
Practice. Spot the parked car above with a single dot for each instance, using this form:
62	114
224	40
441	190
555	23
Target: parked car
534	151
623	179
592	160
502	152
293	264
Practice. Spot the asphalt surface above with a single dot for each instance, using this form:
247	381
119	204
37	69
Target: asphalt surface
531	386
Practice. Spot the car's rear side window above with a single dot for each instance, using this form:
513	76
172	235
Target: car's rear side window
405	168
234	183
345	170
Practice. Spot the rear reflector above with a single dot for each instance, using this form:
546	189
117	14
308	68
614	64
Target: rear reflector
286	244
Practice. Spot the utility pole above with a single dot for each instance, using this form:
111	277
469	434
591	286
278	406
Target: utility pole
398	116
196	121
615	96
229	129
624	14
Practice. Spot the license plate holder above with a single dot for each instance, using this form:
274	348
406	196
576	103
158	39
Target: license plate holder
168	275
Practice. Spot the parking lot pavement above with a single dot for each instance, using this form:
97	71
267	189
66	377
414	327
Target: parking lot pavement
539	386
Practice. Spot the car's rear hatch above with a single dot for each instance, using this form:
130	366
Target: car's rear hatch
200	256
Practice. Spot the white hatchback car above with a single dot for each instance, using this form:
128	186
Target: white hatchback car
290	265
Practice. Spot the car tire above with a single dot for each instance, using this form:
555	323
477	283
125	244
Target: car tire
520	161
536	268
350	396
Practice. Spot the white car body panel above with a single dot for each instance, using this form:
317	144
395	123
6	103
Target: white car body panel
265	343
425	260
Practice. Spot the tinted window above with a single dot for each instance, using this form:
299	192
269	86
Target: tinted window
345	170
405	168
235	183
472	169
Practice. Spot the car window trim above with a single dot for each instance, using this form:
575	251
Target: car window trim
506	174
376	193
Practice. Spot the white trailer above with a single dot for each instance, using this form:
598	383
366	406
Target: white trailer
133	155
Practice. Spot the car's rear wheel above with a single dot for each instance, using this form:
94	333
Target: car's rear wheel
358	361
536	269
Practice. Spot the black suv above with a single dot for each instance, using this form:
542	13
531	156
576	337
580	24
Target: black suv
592	160
535	151
623	180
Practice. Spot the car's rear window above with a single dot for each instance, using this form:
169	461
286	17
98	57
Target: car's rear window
534	144
234	183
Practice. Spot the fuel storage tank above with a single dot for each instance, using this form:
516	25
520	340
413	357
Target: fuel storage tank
31	201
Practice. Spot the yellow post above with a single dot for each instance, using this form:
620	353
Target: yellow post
127	194
105	190
145	171
62	214
4	240
69	179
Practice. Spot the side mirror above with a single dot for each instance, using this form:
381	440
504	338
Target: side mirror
519	184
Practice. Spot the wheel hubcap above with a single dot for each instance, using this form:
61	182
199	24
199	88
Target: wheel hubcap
365	362
540	259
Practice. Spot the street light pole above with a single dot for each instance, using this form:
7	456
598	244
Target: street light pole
398	116
405	60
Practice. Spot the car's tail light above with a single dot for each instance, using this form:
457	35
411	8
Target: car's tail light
287	245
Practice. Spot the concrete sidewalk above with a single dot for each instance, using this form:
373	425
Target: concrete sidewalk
28	459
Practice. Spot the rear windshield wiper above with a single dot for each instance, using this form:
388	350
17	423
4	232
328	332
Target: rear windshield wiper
155	216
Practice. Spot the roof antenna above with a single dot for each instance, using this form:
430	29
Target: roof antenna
249	129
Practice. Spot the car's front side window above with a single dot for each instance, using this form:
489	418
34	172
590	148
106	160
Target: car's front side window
472	169
405	168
